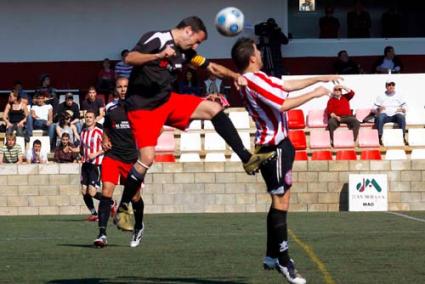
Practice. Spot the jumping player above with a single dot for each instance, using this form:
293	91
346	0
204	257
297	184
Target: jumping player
92	154
120	155
157	59
266	99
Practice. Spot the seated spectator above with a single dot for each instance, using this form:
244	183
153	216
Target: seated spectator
122	69
42	117
190	84
21	93
95	104
329	25
216	90
36	155
339	111
64	126
49	92
389	63
66	152
390	107
15	115
344	64
105	79
72	108
11	153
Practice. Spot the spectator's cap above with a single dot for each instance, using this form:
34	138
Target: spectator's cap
69	96
389	82
70	113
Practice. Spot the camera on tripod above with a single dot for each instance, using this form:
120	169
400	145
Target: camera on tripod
267	28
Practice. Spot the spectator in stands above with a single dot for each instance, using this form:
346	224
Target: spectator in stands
358	22
390	107
15	115
339	111
216	90
95	104
72	108
42	117
329	24
122	69
66	152
11	153
51	97
389	63
36	155
391	23
22	93
106	79
345	65
190	83
64	126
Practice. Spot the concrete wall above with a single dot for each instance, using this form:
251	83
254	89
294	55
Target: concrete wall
210	187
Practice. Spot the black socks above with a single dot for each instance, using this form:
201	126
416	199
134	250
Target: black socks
277	236
104	213
138	208
89	203
132	184
225	128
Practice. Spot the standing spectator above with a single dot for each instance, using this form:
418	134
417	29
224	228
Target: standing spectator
391	23
42	116
389	63
190	83
72	108
105	78
15	115
215	90
95	104
66	152
390	107
345	65
358	22
64	126
122	69
339	111
11	153
36	155
49	92
329	25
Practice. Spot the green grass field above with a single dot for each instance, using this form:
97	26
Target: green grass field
213	248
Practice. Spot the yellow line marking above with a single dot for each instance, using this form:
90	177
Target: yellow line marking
312	255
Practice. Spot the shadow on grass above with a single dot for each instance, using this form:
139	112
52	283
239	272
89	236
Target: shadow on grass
86	246
151	280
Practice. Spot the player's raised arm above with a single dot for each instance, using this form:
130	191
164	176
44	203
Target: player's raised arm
139	58
294	85
294	102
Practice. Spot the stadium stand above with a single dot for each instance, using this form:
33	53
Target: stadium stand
346	155
215	147
296	119
319	139
416	137
343	138
418	154
298	139
301	156
368	138
373	154
190	146
324	155
317	118
395	154
393	138
165	148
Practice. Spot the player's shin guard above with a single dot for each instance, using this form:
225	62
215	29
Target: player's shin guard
104	213
225	128
138	208
132	184
280	232
89	203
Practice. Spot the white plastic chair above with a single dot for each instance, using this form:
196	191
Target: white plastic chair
215	147
416	136
190	146
393	137
394	154
418	154
240	119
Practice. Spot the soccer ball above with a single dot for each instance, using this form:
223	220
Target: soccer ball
229	21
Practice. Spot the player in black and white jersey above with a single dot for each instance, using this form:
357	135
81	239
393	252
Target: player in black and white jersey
120	155
266	99
157	59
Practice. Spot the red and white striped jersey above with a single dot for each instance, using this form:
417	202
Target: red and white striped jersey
263	97
91	142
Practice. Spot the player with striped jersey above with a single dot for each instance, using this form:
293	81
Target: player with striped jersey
266	99
92	155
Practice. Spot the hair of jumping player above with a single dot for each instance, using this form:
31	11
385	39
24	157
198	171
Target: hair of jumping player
242	50
195	23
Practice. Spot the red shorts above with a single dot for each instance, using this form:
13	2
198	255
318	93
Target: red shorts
115	171
146	125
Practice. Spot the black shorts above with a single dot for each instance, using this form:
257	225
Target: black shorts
90	175
277	173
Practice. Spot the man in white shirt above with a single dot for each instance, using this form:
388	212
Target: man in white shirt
42	116
390	107
36	155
